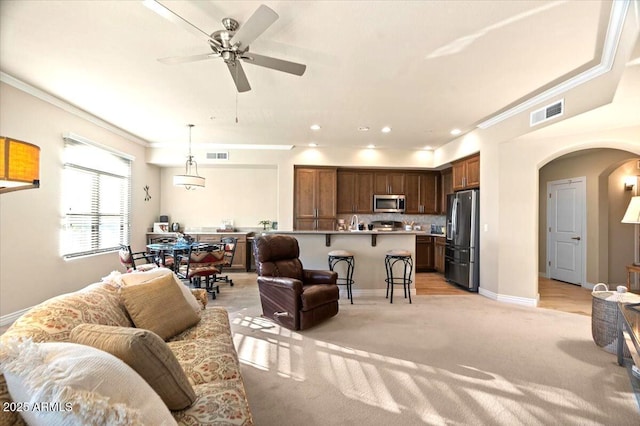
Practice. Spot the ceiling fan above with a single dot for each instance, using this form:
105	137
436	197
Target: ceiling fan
231	44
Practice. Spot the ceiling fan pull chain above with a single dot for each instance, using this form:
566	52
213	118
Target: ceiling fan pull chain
236	96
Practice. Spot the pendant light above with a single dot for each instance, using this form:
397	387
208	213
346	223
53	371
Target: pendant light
190	179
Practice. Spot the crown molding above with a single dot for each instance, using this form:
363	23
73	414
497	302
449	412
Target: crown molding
610	47
72	109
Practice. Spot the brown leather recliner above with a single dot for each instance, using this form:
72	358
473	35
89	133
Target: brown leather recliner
292	296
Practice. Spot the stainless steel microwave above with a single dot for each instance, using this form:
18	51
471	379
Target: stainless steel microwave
388	203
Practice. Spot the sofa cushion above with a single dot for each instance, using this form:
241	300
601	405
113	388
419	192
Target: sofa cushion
53	319
218	403
87	386
145	352
159	306
214	326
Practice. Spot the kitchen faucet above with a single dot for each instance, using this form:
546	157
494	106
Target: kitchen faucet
354	222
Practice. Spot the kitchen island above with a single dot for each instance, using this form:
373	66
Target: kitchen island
368	248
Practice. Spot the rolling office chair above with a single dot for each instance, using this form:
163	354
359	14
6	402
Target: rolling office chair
229	253
201	262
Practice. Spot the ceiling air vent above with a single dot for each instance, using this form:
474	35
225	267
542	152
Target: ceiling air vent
547	113
222	155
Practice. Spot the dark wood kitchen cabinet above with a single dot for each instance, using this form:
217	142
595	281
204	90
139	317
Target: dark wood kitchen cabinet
389	182
446	188
424	253
315	198
466	173
438	256
355	191
421	190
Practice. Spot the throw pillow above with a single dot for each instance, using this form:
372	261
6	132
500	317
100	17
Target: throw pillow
145	352
159	306
136	278
61	383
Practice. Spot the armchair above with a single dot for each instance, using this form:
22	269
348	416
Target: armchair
292	296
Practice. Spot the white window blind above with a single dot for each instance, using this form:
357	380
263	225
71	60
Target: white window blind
96	190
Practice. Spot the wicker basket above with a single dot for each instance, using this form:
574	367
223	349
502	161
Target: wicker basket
604	317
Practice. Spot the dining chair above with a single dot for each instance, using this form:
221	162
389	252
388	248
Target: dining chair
128	259
229	252
201	261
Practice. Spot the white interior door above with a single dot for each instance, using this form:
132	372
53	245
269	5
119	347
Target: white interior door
566	211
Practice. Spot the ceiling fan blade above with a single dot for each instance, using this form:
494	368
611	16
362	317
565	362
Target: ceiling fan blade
273	63
173	17
171	60
239	77
261	19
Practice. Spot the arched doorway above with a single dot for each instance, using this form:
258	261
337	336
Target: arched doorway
608	244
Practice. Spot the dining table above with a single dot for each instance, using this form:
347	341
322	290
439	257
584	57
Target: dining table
162	250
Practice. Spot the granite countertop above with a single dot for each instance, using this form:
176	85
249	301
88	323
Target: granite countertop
367	232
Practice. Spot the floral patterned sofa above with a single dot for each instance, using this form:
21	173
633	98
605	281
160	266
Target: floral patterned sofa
205	351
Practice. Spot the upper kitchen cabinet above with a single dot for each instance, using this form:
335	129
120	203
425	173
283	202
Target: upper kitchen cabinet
389	182
315	198
446	187
466	173
421	190
355	191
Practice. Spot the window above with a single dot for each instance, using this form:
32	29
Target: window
96	198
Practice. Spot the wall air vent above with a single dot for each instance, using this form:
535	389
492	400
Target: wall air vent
222	155
547	113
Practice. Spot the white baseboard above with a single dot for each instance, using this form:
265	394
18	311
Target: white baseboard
516	300
10	318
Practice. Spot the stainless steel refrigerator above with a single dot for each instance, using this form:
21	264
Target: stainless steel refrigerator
462	253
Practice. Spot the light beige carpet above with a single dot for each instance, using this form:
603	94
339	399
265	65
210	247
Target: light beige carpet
444	360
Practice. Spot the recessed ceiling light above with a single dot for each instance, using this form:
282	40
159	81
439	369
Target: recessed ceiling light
315	127
428	147
363	128
313	144
386	129
456	132
371	146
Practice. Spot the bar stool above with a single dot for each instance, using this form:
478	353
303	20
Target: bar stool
391	258
337	256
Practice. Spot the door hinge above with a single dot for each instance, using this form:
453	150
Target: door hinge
549	195
549	229
549	263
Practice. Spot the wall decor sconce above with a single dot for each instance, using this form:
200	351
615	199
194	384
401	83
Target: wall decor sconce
630	182
19	165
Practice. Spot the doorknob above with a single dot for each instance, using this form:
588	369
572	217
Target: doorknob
576	238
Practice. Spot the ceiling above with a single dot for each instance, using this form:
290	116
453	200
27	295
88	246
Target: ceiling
421	67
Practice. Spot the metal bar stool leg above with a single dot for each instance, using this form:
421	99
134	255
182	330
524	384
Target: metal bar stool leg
391	258
338	256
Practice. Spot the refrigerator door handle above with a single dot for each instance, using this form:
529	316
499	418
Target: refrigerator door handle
454	217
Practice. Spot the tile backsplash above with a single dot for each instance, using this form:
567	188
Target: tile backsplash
423	220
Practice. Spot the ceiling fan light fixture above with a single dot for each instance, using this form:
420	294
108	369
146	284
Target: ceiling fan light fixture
190	179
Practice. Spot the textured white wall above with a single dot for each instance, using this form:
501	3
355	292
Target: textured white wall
31	268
